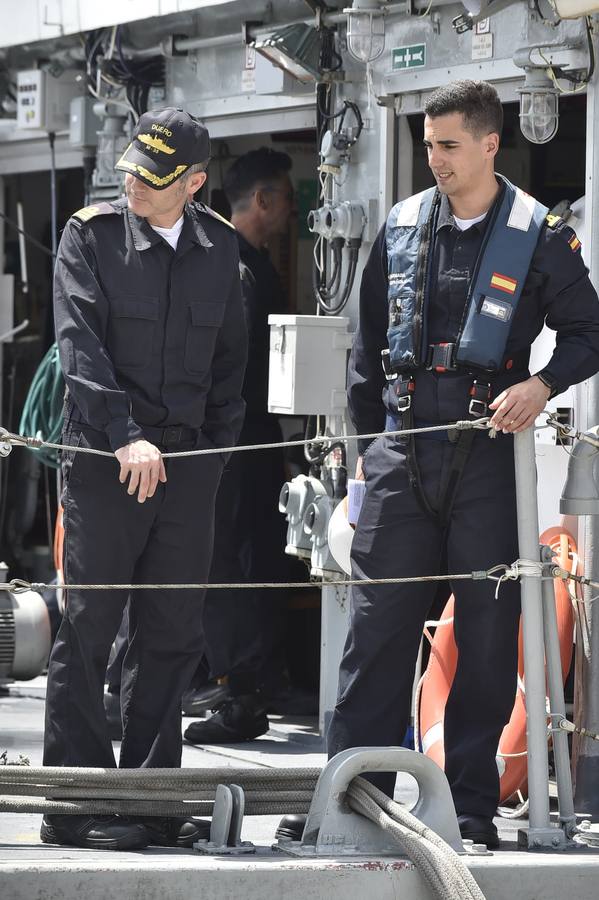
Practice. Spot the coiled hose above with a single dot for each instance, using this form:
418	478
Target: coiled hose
42	413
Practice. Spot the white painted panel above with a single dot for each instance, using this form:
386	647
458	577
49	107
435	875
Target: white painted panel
171	6
26	154
23	24
58	17
36	20
115	12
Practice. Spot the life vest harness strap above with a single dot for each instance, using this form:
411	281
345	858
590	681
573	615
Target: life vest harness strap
403	390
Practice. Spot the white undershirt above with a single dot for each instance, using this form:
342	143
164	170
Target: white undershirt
464	224
171	235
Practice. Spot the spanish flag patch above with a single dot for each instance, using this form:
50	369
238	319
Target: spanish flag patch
574	243
504	283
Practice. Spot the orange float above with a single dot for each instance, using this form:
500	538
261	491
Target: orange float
58	552
437	680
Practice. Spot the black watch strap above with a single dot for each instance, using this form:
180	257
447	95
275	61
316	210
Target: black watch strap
549	382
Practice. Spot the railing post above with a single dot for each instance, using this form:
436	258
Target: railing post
540	834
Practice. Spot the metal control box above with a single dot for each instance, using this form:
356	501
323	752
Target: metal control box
43	100
307	366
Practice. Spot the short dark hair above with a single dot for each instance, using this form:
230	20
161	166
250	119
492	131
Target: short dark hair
478	102
254	170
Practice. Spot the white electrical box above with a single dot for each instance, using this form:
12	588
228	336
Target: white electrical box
307	366
43	101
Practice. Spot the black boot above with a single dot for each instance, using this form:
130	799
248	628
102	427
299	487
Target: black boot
173	831
291	828
480	830
196	701
95	833
238	719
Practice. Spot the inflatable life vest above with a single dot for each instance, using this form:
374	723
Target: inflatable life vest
501	269
437	680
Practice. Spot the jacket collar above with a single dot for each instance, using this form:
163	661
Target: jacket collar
193	228
145	237
445	215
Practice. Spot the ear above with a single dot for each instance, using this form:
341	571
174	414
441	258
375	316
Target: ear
261	199
195	182
492	144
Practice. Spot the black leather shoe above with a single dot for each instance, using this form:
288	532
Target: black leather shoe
291	828
238	719
95	833
480	830
198	701
171	831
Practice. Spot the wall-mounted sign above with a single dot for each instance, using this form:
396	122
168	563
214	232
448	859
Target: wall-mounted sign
412	57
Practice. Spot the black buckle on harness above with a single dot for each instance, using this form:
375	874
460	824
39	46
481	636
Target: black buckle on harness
480	392
390	372
403	389
440	357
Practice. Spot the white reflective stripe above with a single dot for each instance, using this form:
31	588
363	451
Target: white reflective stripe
408	213
434	734
521	211
501	765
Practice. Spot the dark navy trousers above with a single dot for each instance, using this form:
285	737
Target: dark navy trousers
395	538
111	538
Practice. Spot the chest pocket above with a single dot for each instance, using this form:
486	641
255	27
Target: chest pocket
204	320
131	330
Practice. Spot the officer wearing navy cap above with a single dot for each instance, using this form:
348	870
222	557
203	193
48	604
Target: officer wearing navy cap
458	284
153	346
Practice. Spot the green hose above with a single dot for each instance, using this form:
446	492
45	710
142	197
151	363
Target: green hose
42	413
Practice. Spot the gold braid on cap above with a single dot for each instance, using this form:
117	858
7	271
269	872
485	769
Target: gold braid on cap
149	176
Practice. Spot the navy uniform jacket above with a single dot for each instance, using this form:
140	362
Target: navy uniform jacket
264	295
148	335
557	292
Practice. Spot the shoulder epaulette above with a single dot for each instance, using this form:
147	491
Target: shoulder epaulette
560	226
90	212
211	212
552	220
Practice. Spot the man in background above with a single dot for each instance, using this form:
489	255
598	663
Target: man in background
244	629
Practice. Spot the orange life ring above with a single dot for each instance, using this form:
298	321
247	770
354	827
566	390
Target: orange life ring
438	677
58	552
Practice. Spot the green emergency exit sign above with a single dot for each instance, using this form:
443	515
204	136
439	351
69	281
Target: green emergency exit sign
412	57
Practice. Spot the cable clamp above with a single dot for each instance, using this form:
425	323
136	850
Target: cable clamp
481	424
8	437
16	586
565	725
568	431
529	568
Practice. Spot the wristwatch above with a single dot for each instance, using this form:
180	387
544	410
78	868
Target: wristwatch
549	382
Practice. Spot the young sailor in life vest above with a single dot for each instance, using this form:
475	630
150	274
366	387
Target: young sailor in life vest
459	283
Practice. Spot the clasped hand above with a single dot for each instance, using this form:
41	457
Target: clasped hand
518	406
142	463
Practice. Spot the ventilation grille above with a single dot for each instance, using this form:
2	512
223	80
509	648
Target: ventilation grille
7	637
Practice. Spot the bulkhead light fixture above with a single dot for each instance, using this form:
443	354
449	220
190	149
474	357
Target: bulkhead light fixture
539	109
365	30
296	49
